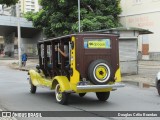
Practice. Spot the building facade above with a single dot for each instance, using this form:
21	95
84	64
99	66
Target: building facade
29	5
8	40
144	14
24	6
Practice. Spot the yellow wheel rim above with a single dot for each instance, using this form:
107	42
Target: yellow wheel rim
101	72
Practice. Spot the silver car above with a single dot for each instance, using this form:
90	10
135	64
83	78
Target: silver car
158	82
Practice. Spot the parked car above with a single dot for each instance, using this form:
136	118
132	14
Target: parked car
158	82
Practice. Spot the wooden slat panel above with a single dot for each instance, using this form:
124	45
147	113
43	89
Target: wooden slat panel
128	50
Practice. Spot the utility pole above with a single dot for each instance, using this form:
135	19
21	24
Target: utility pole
125	14
79	19
19	34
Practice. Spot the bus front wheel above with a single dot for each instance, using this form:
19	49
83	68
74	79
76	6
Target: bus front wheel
61	97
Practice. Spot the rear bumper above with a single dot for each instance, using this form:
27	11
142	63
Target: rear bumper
87	87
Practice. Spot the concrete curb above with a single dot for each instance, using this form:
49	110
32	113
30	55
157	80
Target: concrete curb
17	68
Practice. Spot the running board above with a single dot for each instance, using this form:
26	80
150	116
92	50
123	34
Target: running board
113	86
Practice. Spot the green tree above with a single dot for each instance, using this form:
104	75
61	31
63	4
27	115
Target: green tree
8	2
61	16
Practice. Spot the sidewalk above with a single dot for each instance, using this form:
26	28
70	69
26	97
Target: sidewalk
146	74
145	78
30	64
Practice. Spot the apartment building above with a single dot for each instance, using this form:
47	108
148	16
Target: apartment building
29	5
144	14
24	6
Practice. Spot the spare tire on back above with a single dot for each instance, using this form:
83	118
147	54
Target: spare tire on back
99	72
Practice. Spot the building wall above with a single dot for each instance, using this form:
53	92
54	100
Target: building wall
28	45
9	44
143	14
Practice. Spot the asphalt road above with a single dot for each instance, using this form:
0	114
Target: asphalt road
15	96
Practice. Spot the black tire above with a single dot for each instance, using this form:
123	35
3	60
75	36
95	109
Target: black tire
158	88
99	72
32	88
61	97
82	94
102	96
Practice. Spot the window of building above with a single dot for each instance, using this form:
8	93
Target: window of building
155	0
145	39
137	1
28	9
27	2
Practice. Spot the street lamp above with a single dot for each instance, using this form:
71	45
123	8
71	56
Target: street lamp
19	34
79	19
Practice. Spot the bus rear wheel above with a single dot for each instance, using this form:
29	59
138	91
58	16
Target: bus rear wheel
82	94
102	96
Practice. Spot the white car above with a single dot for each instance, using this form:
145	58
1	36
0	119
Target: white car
158	82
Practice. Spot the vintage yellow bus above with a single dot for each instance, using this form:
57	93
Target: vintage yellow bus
78	63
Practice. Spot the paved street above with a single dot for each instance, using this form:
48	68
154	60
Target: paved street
15	96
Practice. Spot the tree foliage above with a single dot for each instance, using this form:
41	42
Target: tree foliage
8	2
60	17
